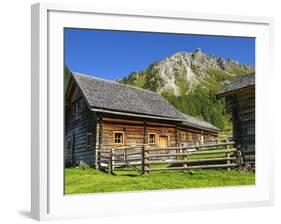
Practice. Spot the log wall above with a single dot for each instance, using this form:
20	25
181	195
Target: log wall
187	136
77	127
103	128
243	117
135	132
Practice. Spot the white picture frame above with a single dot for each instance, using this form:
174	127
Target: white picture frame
48	201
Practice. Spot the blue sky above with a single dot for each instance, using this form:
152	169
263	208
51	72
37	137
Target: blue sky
115	54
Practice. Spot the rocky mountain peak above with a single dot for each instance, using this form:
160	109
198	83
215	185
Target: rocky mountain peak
197	52
183	71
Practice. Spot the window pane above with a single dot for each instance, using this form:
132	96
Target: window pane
118	138
151	138
68	144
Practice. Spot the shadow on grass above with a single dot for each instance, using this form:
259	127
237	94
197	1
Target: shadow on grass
114	174
130	175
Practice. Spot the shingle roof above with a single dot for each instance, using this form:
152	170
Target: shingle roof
242	82
197	123
114	96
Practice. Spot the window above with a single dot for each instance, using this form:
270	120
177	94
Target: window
189	137
198	138
183	137
202	139
76	109
89	139
151	138
118	137
68	145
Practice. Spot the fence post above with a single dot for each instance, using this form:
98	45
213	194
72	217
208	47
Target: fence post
142	159
110	162
146	159
113	159
228	156
239	160
98	160
197	144
125	156
185	157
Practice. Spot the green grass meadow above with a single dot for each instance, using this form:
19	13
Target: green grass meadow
78	180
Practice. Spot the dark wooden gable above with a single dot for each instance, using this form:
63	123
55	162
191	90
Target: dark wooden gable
80	127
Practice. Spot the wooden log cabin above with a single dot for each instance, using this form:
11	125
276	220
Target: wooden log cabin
240	99
102	114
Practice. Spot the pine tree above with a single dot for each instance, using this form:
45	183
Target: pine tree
66	77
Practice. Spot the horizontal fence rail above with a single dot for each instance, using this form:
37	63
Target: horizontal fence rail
144	158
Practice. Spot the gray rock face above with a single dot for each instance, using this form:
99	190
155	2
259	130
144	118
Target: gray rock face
222	63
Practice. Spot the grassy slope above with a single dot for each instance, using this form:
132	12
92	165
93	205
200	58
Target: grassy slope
93	181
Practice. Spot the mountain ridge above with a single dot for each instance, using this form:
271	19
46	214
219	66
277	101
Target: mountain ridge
190	81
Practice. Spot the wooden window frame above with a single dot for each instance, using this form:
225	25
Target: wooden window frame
183	137
123	139
89	139
148	139
69	144
198	138
189	137
202	139
77	108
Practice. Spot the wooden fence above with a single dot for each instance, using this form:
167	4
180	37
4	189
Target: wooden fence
145	159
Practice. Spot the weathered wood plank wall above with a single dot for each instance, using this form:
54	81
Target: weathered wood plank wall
103	128
243	115
77	127
136	133
189	136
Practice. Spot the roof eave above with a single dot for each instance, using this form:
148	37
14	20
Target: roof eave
232	92
133	114
201	128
